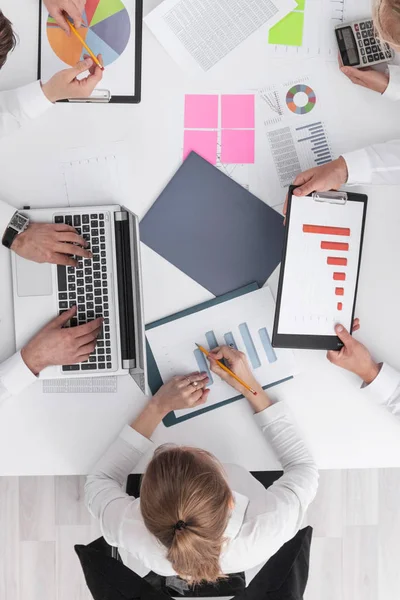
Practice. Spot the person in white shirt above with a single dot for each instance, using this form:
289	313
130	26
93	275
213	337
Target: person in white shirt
40	242
196	518
380	380
379	163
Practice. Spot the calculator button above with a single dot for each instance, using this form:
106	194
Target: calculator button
367	43
368	50
362	52
381	56
369	24
358	35
373	40
363	25
364	59
376	56
356	27
388	55
374	48
370	59
360	44
365	34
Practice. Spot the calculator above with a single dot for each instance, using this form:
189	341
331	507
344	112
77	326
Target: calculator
360	46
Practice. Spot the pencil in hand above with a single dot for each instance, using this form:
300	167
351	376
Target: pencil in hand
84	44
227	370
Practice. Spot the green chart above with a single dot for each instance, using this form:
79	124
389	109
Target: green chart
289	31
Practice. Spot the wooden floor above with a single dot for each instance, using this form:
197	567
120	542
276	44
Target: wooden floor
355	552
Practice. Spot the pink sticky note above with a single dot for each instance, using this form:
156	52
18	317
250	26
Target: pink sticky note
201	111
202	142
237	146
238	111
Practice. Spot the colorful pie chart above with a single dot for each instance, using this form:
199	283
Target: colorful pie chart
107	33
293	99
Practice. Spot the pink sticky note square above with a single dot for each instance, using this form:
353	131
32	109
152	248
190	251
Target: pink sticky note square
238	111
202	142
237	146
201	111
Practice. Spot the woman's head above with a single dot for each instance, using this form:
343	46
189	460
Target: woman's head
387	21
186	503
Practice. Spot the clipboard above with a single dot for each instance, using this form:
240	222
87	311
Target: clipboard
320	269
154	378
104	96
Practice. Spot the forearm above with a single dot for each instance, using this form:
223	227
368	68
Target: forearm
149	419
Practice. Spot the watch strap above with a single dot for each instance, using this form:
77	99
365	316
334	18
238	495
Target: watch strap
9	236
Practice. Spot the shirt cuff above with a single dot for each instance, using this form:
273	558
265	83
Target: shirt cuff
33	100
135	439
392	91
272	413
15	375
358	167
384	384
6	214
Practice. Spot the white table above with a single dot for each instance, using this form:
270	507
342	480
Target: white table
54	434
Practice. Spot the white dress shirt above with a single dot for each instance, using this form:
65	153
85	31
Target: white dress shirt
17	107
261	522
380	163
385	389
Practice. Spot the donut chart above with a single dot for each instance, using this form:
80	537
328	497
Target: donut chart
291	99
107	33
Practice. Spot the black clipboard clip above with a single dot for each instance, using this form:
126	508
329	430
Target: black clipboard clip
331	197
98	97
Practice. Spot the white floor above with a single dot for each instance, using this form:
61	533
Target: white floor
355	551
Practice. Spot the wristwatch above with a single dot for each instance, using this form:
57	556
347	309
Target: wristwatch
17	225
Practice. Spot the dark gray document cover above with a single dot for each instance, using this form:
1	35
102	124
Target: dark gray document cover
214	230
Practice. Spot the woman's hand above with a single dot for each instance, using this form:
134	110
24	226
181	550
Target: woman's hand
187	391
368	78
237	362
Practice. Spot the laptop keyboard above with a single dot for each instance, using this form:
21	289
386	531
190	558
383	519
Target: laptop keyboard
87	287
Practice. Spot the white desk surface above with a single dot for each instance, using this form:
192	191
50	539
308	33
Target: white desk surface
58	434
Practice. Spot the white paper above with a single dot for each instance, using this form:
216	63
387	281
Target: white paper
309	304
118	76
320	19
174	343
289	143
200	33
97	175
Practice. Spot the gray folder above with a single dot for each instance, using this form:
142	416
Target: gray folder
213	229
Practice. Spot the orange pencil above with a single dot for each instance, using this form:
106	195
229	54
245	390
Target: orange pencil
231	373
84	44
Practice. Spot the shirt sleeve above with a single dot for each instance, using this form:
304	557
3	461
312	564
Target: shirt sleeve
21	105
105	497
14	376
376	165
287	500
392	91
385	389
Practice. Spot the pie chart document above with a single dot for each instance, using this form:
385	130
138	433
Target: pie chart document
108	29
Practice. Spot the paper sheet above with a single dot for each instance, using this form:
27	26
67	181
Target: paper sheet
321	267
308	31
110	32
198	34
291	136
246	322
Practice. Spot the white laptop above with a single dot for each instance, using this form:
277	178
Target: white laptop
109	285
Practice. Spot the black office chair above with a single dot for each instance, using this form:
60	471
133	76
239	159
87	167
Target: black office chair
283	577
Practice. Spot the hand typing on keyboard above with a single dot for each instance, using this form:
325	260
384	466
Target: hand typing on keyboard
51	243
56	345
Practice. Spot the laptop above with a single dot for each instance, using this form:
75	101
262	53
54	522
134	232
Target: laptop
109	285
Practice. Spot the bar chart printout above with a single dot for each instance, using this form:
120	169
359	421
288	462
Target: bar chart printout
244	323
321	266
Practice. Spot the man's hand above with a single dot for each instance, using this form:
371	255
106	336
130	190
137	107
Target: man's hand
54	345
353	357
43	242
320	179
368	78
73	8
65	84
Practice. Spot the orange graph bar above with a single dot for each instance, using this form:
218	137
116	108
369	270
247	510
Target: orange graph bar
334	246
323	229
339	291
339	276
339	306
336	260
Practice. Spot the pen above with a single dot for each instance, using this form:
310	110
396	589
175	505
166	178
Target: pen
84	44
231	373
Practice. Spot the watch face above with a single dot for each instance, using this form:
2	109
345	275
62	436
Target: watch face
19	222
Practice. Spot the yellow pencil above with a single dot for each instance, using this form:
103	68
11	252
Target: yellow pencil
84	44
231	373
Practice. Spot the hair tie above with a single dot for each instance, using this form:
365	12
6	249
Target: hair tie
180	525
